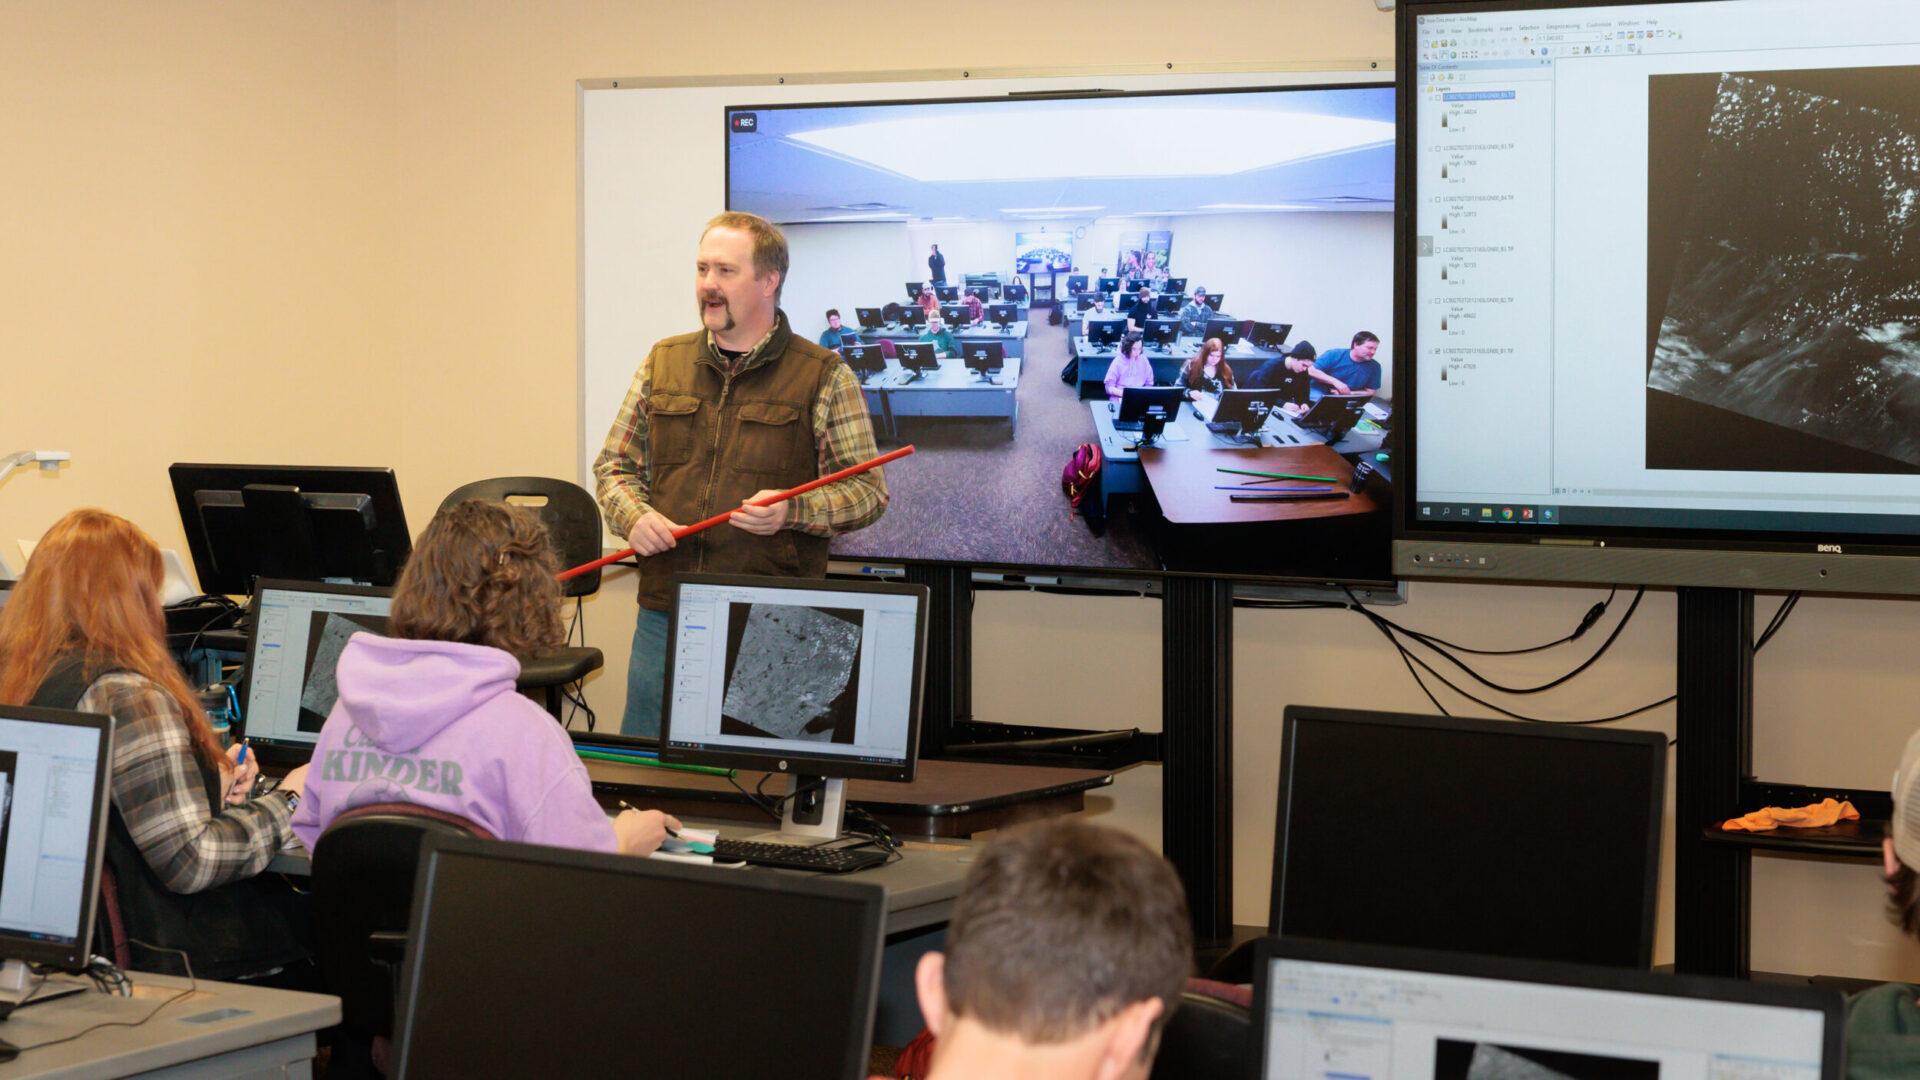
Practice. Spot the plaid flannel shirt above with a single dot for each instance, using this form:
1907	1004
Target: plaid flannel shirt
842	437
158	789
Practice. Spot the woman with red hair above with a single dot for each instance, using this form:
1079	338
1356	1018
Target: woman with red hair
84	630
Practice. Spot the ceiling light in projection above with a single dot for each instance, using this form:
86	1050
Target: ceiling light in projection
1073	144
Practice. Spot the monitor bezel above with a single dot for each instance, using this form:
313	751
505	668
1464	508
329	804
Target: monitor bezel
376	482
245	689
1503	551
74	955
797	762
1653	741
1829	1003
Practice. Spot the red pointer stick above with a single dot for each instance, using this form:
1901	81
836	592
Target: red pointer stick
688	530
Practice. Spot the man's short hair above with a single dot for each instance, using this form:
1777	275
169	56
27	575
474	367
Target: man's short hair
1059	926
1363	337
833	313
769	244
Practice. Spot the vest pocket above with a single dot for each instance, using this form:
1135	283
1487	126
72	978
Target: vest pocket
671	428
769	440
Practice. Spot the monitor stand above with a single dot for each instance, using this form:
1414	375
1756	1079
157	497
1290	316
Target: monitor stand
17	984
816	808
1150	429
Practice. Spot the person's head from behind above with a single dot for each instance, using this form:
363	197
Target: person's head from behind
1069	941
1901	848
740	271
482	573
92	590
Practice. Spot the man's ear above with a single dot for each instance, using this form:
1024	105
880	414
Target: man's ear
1127	1051
930	981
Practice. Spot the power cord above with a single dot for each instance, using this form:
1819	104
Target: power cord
193	986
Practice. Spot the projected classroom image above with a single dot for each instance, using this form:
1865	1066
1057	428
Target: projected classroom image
1199	284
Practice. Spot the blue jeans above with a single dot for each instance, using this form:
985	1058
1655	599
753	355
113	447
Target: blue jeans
646	675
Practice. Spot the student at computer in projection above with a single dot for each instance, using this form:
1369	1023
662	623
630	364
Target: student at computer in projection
1130	367
1270	374
942	338
1351	370
928	303
185	839
1207	371
1883	1023
1099	310
430	715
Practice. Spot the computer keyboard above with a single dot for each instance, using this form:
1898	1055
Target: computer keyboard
829	860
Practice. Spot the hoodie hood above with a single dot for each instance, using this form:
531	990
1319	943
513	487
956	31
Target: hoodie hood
402	692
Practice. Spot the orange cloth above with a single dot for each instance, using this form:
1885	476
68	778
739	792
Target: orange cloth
1824	812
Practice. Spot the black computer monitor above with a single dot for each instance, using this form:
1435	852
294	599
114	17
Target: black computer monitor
1334	415
871	318
1002	315
293	646
954	314
984	357
1109	285
1152	407
1134	285
725	973
811	678
1295	386
1076	283
1162	332
1105	331
981	293
914	289
1169	303
1271	336
1014	293
54	767
1337	1009
913	315
1246	409
865	361
1227	330
310	523
919	357
946	294
1358	791
1083	301
1214	300
1176	285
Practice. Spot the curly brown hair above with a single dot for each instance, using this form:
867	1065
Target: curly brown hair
482	573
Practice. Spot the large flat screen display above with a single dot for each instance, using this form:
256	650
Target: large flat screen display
1279	200
1660	320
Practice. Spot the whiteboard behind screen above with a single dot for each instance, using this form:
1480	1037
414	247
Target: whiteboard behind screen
653	171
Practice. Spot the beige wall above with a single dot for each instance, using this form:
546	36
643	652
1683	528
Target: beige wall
341	231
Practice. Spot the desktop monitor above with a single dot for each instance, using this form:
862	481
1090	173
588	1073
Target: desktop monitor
865	361
1134	285
1329	1009
1109	285
1334	415
293	646
980	293
1214	300
871	318
918	356
946	294
1003	315
1014	294
1227	330
1271	336
1358	792
913	315
1176	285
53	828
914	289
1150	405
1162	332
953	315
1295	386
1168	303
984	357
1105	332
723	973
1083	301
1247	409
1076	283
314	523
810	678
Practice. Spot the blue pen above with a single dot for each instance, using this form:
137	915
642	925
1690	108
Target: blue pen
243	752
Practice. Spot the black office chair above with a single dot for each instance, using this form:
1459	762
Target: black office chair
362	884
1210	1034
572	518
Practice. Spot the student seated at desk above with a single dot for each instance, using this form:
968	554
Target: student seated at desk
1271	374
1067	953
835	336
1207	371
1097	311
1130	367
941	337
186	842
976	310
1194	315
431	716
928	303
1141	312
1351	370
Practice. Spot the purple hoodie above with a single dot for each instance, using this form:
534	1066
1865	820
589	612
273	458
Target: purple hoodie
440	724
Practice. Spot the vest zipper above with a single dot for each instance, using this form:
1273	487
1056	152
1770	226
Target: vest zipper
713	458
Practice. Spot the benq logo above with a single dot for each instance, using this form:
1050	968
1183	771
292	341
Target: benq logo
1827	549
744	123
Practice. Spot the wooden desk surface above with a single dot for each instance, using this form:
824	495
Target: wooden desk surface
1184	477
946	798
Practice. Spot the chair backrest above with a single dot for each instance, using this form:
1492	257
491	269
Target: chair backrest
363	867
1209	1035
570	513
